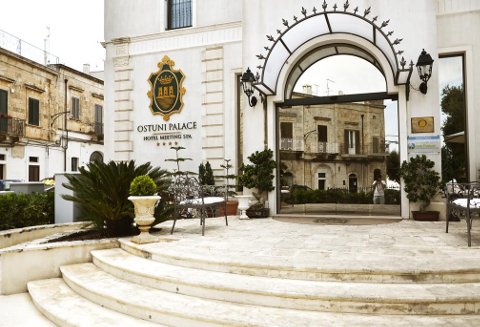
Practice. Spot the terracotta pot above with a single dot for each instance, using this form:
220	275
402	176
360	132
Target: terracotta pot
425	215
232	207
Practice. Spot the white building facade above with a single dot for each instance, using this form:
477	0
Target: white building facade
212	42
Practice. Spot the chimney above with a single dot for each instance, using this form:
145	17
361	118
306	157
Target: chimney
86	68
307	89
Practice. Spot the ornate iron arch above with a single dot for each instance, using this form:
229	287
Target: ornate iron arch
329	21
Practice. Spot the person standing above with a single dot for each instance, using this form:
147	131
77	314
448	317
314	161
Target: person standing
379	190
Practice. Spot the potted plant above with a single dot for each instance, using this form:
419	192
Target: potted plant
421	182
259	175
142	194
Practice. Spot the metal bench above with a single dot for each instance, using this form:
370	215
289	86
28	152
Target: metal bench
463	201
192	200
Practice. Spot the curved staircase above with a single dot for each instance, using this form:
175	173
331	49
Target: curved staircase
202	283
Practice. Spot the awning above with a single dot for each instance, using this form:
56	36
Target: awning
455	138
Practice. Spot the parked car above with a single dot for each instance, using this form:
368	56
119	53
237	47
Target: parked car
5	184
286	191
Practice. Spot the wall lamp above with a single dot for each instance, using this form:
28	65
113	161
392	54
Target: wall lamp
424	67
247	81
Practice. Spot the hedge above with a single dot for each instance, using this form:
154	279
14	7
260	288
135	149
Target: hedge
336	195
21	210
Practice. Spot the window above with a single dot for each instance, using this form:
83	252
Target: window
286	136
96	156
322	138
33	159
75	108
322	178
179	14
2	157
375	145
352	144
74	164
33	112
3	111
98	126
33	173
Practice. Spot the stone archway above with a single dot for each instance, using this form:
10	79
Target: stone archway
319	34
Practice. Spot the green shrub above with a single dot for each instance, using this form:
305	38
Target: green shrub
142	185
21	210
102	189
339	195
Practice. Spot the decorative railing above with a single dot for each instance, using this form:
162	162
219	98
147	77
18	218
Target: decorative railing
98	129
12	127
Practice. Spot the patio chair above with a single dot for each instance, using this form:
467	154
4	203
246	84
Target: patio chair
463	201
192	200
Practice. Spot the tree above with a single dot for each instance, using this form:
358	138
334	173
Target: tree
209	178
393	166
259	174
453	154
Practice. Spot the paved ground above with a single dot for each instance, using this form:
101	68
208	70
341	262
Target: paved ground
386	245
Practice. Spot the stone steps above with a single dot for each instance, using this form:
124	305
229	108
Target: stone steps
328	266
61	305
172	309
261	273
378	298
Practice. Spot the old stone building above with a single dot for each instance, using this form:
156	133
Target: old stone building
338	145
51	118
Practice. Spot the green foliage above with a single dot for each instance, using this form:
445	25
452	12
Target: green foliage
259	174
101	190
339	195
393	166
205	174
453	107
421	180
454	162
142	185
201	174
21	210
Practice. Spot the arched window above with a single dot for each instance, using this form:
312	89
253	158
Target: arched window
96	156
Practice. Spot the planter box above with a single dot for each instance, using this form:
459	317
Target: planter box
425	215
258	213
232	207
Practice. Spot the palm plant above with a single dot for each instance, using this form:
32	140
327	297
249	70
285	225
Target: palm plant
101	190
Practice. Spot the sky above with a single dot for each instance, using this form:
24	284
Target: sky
76	30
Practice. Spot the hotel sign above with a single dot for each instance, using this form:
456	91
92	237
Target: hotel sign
166	90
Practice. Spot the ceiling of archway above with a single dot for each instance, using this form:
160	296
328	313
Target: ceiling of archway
325	22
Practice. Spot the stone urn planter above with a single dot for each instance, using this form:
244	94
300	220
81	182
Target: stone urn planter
243	205
144	210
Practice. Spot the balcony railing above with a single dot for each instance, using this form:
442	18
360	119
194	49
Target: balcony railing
327	147
12	127
373	149
366	149
98	130
290	144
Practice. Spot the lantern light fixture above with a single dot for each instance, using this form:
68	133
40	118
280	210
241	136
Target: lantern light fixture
424	67
247	81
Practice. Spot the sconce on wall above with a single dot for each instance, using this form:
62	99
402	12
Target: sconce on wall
424	67
247	81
